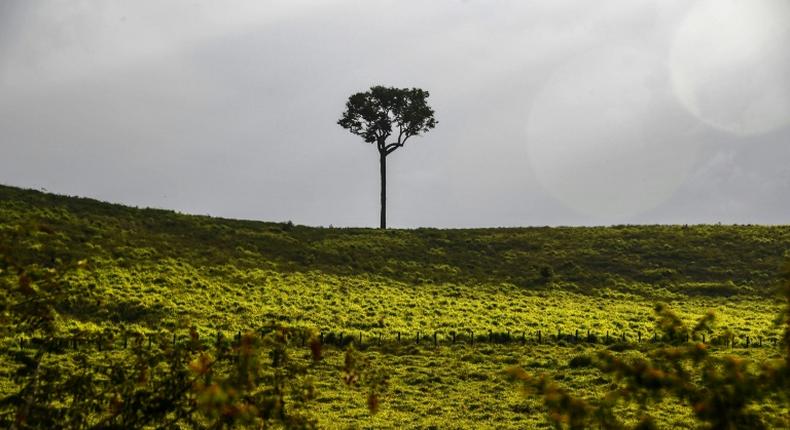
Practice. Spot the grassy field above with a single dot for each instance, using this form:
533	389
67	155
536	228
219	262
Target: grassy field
158	272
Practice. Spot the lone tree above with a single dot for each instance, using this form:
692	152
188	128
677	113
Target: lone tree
387	113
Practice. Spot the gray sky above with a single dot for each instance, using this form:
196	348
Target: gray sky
555	112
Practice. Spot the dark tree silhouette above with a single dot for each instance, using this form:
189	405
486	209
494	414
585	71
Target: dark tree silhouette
387	113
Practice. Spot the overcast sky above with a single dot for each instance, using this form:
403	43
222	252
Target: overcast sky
555	112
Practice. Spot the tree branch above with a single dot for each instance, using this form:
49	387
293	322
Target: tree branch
392	147
395	145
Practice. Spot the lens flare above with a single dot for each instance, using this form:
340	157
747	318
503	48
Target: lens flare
730	64
606	137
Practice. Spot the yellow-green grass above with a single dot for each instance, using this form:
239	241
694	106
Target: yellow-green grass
171	294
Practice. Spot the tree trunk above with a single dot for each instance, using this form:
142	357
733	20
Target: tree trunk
383	164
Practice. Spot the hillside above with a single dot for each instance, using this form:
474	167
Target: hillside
160	264
706	259
154	271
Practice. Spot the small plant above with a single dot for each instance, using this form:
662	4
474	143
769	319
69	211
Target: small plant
358	371
546	273
578	361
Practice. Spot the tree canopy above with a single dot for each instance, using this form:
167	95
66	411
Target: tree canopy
384	112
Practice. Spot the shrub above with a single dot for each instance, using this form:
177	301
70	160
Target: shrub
580	361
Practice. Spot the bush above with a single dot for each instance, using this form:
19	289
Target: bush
580	361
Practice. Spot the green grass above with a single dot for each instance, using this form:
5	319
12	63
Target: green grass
159	270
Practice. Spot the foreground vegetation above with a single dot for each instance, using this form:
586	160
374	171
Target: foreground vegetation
128	274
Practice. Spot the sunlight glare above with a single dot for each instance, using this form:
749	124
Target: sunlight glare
610	147
730	64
